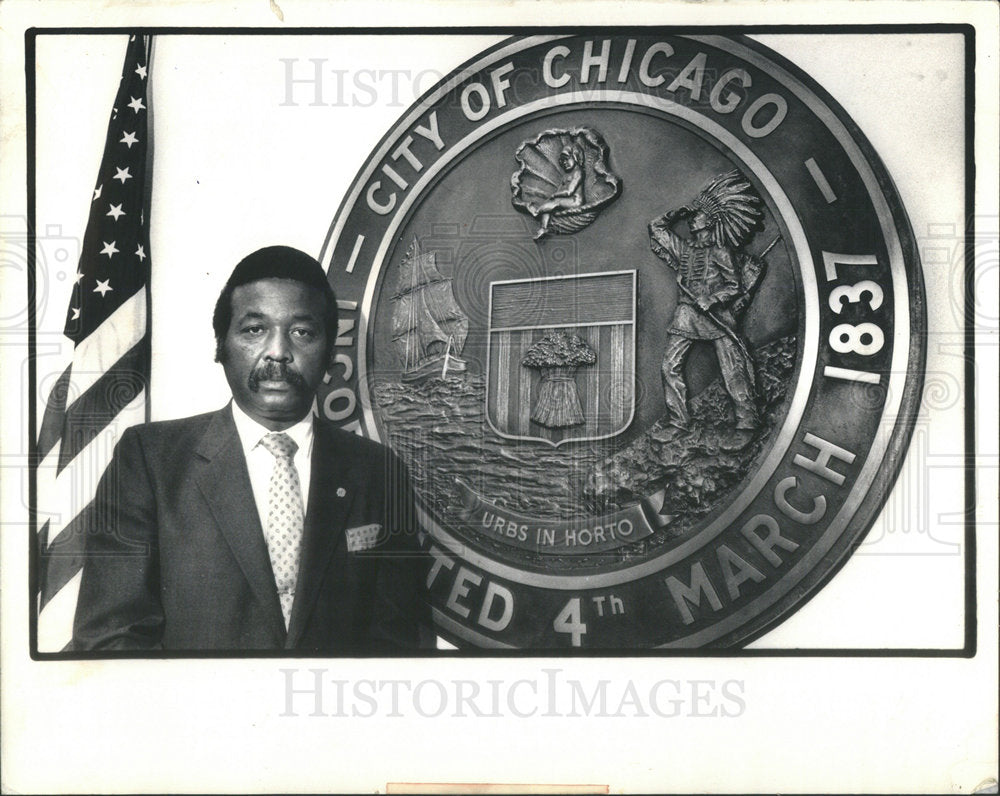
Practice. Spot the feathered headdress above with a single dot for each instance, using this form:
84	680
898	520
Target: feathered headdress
731	204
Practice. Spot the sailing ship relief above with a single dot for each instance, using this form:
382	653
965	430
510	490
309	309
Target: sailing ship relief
428	327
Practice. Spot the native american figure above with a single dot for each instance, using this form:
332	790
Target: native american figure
715	278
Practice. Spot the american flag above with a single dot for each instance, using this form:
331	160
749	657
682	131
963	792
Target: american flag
104	389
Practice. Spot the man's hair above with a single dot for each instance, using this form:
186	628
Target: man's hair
275	262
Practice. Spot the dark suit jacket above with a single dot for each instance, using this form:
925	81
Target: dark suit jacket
176	558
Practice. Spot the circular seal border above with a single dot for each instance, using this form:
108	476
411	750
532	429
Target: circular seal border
883	460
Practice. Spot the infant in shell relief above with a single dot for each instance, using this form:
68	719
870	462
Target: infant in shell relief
564	180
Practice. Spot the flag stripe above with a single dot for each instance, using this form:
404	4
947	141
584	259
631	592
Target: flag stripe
64	493
55	625
116	389
61	562
55	408
119	334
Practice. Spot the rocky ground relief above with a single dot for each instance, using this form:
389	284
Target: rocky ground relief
439	428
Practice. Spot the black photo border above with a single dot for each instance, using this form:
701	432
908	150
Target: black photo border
967	650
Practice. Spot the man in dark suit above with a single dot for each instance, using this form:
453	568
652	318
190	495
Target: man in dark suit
256	527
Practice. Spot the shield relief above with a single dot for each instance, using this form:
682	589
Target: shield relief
561	357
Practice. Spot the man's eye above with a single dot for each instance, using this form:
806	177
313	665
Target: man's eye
305	334
253	330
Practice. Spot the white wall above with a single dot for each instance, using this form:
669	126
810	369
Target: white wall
234	168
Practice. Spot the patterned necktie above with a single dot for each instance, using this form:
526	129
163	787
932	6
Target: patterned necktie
285	518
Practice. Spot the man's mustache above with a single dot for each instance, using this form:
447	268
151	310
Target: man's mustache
274	371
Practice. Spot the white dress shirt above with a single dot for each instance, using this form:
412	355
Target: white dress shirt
260	461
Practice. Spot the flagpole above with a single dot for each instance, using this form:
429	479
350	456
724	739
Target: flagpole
147	221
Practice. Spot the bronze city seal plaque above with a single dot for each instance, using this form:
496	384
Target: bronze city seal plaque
643	316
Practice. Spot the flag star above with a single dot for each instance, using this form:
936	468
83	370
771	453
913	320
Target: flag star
122	174
140	253
103	287
79	276
136	104
141	71
129	139
76	313
97	192
116	211
109	249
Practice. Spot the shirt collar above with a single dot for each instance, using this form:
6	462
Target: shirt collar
251	432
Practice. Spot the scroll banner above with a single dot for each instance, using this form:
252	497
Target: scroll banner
551	537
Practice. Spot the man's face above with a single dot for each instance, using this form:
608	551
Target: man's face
274	353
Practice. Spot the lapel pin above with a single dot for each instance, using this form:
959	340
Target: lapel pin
341	492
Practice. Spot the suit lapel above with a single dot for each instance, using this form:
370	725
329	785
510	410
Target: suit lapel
330	496
225	484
